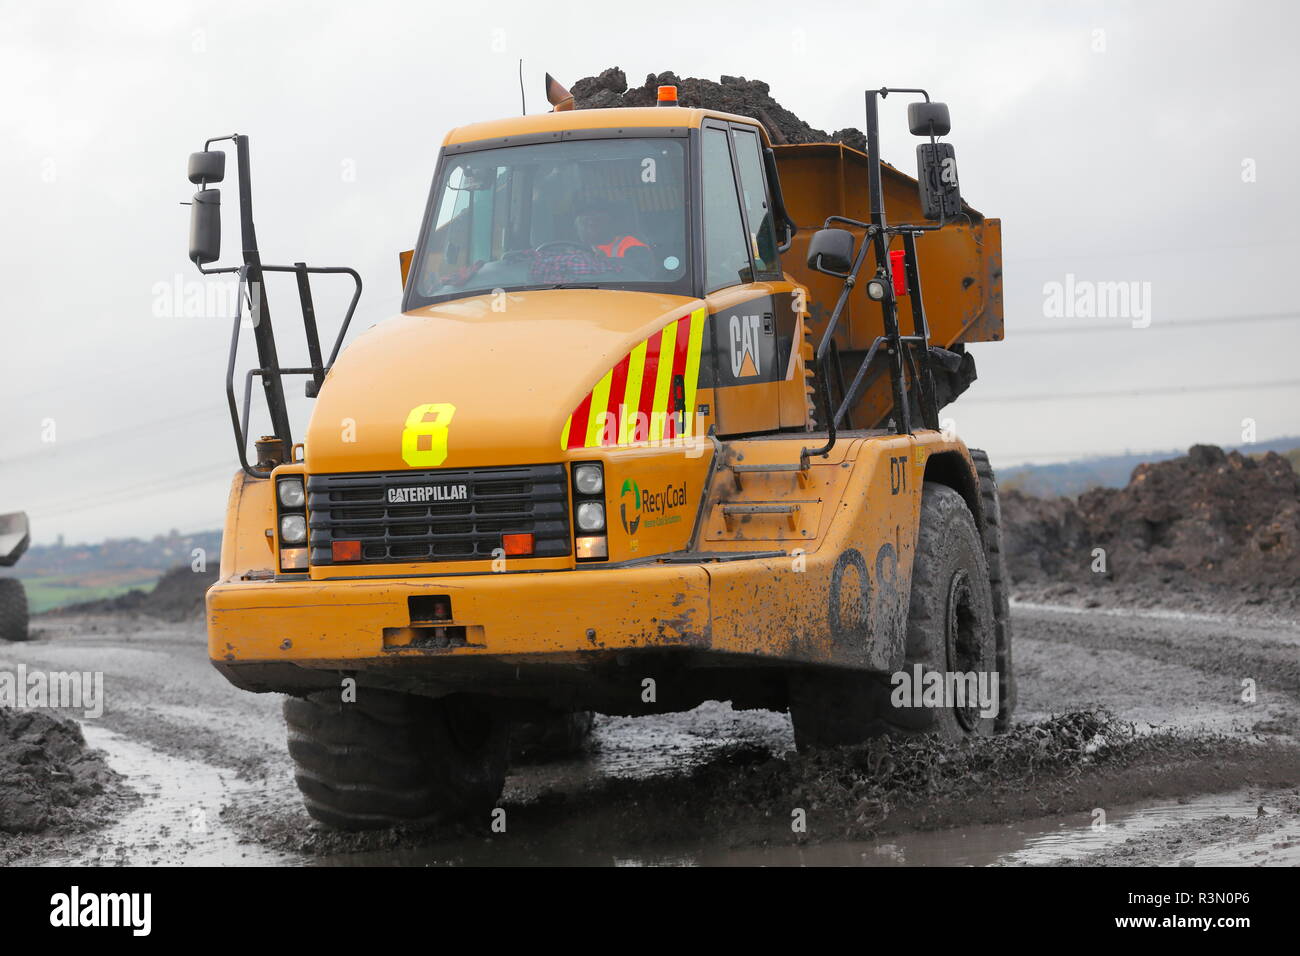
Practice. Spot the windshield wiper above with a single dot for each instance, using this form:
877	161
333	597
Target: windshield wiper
574	285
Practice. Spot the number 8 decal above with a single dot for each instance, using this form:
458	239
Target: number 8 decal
424	439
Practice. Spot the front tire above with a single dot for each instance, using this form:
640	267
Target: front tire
13	610
395	759
950	628
950	622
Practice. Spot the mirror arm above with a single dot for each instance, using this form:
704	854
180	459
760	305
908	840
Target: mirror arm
850	280
823	348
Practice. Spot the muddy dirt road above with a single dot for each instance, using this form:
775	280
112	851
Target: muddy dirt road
210	780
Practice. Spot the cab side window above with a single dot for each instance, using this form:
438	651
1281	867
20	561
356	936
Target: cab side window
726	248
757	208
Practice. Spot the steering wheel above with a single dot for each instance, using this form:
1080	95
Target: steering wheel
568	243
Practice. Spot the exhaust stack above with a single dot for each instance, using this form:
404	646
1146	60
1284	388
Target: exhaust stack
559	98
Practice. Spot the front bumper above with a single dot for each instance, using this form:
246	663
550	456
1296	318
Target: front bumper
343	624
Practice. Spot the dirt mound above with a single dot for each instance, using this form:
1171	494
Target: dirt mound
177	596
1208	520
732	94
46	771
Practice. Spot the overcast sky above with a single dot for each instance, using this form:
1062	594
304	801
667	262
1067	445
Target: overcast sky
1153	143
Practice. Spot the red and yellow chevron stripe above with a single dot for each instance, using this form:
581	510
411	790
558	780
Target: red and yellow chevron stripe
633	402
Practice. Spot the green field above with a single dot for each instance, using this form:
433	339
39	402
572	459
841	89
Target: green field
47	593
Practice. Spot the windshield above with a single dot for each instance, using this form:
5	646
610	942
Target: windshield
608	213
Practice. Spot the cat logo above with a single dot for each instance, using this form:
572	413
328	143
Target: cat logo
745	332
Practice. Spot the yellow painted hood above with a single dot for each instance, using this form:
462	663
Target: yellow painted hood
512	374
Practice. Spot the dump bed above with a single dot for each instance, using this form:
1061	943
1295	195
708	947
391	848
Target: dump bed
960	267
14	538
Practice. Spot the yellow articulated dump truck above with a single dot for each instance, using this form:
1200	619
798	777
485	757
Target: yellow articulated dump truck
658	424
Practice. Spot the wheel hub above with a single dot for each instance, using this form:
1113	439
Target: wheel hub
961	638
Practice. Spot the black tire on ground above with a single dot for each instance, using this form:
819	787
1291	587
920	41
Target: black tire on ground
561	734
950	628
13	610
1000	584
392	758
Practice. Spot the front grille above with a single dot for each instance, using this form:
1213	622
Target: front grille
417	526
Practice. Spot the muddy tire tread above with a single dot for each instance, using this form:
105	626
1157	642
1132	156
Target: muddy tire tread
837	709
390	759
999	581
13	611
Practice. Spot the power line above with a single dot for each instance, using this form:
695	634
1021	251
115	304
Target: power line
134	492
1173	324
1131	392
1078	457
1170	251
152	425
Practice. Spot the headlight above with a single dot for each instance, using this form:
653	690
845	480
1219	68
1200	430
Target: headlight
591	516
589	479
291	493
293	529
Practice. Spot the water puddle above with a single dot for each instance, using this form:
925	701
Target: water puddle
1041	841
1071	839
178	821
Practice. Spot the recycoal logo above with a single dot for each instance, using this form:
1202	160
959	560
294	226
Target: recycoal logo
660	506
657	508
630	521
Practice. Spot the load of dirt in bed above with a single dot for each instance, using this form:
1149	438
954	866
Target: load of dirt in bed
1214	526
47	774
732	94
177	596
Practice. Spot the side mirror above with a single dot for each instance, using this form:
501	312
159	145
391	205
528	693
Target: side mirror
936	180
205	226
831	251
928	119
207	167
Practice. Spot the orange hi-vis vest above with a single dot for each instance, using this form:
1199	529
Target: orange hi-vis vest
617	248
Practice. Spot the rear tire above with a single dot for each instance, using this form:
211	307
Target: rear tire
395	759
999	583
950	628
13	610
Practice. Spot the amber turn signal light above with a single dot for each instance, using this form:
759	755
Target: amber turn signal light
346	550
517	543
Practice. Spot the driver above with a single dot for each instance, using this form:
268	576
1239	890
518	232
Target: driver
596	228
